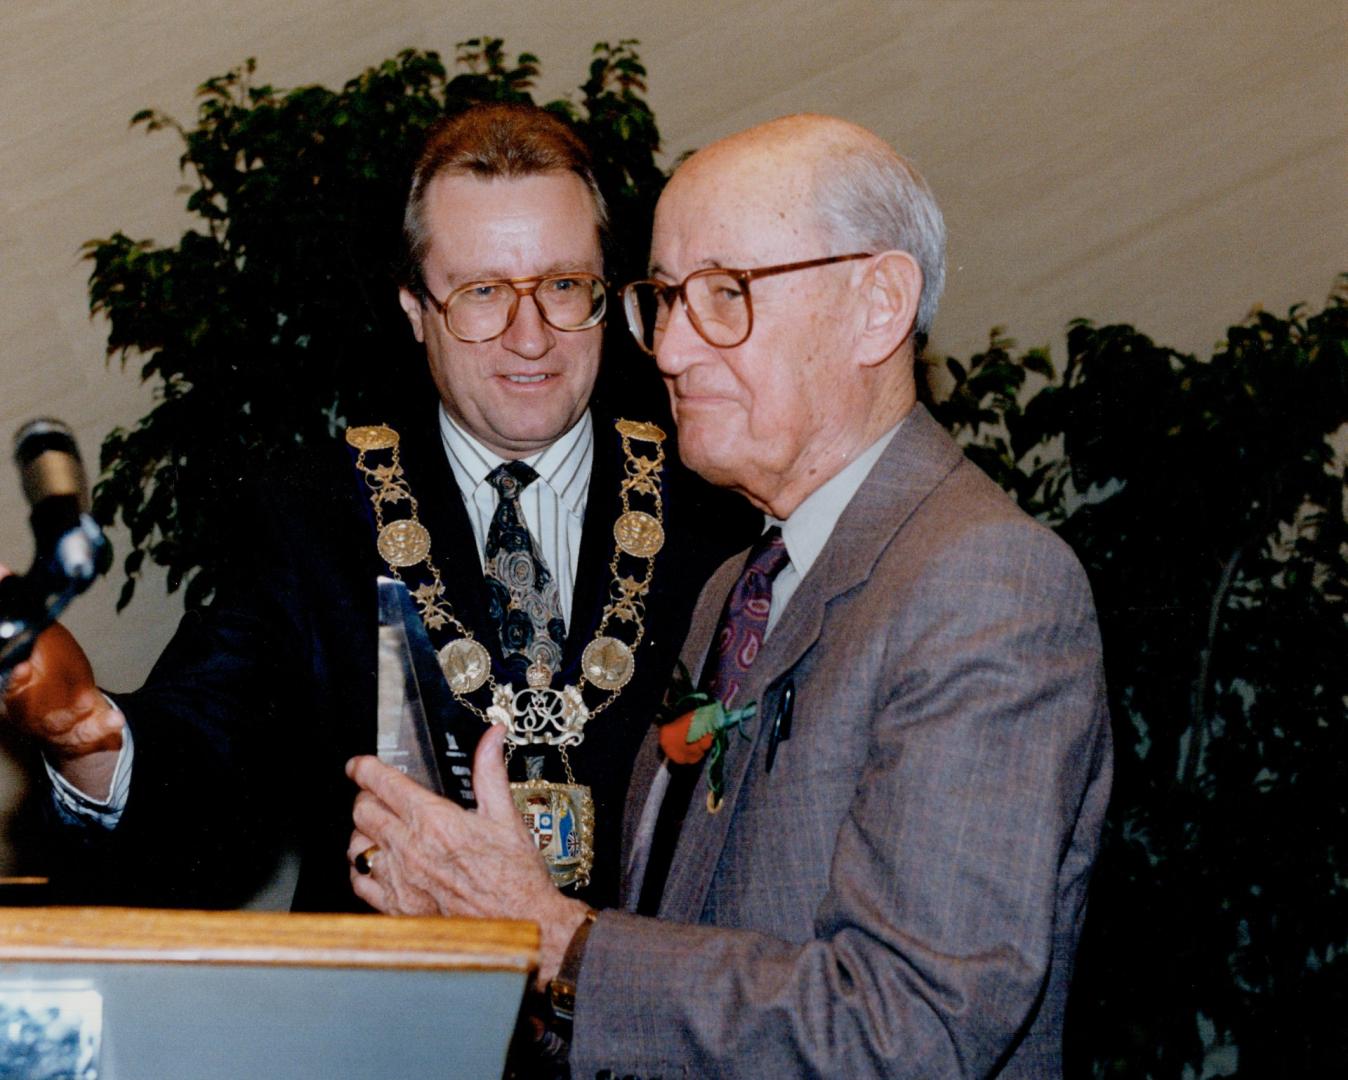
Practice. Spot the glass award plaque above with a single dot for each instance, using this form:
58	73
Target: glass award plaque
416	732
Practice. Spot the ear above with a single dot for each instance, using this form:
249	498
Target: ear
414	311
891	288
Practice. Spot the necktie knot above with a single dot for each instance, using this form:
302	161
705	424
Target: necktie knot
768	557
511	477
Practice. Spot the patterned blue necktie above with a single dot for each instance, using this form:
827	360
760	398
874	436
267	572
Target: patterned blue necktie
523	599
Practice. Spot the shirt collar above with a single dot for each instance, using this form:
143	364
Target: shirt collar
564	466
808	528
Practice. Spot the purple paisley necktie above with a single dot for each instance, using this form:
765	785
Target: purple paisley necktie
745	618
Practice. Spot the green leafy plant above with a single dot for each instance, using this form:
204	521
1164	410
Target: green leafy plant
272	317
1207	503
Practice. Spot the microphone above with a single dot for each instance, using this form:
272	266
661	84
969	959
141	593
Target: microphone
70	549
56	488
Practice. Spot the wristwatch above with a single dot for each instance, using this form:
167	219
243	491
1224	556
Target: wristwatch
562	989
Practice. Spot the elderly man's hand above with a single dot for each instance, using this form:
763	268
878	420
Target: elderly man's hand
435	857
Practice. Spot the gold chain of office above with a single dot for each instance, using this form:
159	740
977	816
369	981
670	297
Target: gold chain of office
537	713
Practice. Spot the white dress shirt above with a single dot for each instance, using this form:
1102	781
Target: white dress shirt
553	505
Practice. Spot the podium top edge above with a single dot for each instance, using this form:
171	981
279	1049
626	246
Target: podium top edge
151	935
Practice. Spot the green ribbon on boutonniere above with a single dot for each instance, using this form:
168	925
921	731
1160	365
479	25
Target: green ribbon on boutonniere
692	723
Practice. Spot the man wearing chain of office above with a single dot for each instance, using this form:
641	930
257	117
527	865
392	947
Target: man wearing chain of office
548	546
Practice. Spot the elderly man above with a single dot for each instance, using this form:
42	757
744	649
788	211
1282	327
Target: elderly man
881	867
493	494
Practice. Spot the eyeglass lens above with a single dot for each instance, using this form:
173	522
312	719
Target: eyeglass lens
717	305
483	310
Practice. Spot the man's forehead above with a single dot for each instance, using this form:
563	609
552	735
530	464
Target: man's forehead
734	211
755	170
467	196
505	226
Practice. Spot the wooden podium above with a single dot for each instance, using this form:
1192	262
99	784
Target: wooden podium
185	995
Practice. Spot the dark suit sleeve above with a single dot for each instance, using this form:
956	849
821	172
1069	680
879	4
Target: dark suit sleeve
214	750
958	876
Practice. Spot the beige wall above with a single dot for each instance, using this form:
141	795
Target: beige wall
1163	163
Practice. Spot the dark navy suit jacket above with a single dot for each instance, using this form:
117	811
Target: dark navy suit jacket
247	719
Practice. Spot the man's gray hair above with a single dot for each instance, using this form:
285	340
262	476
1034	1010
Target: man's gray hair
871	199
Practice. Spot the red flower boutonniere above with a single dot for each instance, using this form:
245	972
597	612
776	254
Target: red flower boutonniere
694	723
678	747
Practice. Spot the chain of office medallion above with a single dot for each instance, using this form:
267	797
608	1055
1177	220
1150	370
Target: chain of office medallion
642	539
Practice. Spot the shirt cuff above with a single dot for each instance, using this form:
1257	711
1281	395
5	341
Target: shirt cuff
77	808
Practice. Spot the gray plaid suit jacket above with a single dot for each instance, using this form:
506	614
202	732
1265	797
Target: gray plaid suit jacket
903	893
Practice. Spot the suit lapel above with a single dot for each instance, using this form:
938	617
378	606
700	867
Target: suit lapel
649	777
645	794
602	507
920	456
